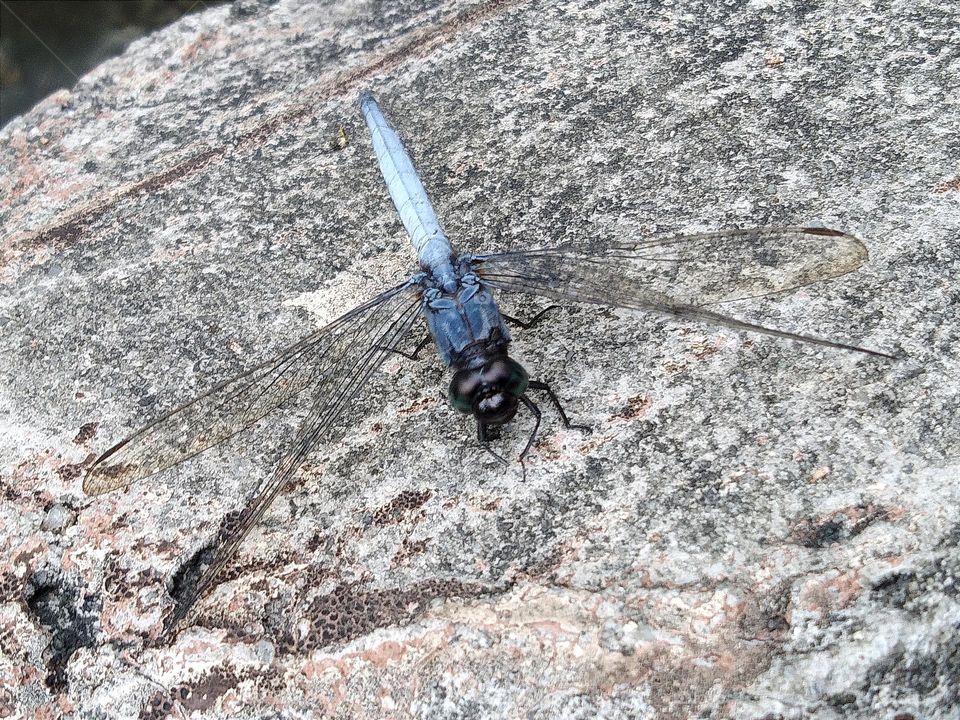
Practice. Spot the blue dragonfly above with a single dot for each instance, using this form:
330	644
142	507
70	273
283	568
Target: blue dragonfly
454	295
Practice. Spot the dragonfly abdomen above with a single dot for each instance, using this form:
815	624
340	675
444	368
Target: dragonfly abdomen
434	251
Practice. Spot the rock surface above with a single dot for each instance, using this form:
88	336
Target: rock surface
754	529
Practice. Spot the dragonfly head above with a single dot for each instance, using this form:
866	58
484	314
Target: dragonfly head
489	391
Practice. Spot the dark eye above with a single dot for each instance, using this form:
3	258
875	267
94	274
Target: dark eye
519	379
507	374
489	392
463	386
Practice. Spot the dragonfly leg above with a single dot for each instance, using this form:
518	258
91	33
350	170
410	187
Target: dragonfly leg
537	385
527	324
415	355
533	435
484	439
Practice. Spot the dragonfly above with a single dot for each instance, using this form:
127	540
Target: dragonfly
453	295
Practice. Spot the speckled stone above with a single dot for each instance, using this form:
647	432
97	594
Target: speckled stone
754	529
58	518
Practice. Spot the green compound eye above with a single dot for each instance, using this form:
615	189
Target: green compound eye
501	378
460	402
462	388
517	381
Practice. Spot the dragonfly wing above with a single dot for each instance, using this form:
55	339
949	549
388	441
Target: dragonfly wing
237	403
677	276
349	362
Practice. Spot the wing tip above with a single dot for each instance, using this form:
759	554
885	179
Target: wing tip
89	486
94	481
825	232
860	253
103	477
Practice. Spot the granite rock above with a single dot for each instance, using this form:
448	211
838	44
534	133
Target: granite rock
754	529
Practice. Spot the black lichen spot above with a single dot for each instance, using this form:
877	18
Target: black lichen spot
62	235
316	541
243	9
114	577
407	550
157	708
11	587
952	538
841	699
204	694
179	171
823	534
637	406
927	674
348	612
404	503
197	695
9	494
912	589
56	606
70	472
897	590
229	525
837	527
87	431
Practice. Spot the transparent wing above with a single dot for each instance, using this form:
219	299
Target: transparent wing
353	358
239	402
677	276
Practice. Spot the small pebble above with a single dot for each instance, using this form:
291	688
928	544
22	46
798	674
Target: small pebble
58	518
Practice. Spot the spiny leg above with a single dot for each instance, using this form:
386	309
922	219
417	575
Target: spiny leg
410	356
538	385
485	442
533	435
527	324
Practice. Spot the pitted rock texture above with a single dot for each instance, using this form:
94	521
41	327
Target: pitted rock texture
753	528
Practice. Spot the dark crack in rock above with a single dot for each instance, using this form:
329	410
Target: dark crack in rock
839	526
71	621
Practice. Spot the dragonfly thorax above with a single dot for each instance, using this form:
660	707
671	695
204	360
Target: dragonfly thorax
465	324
